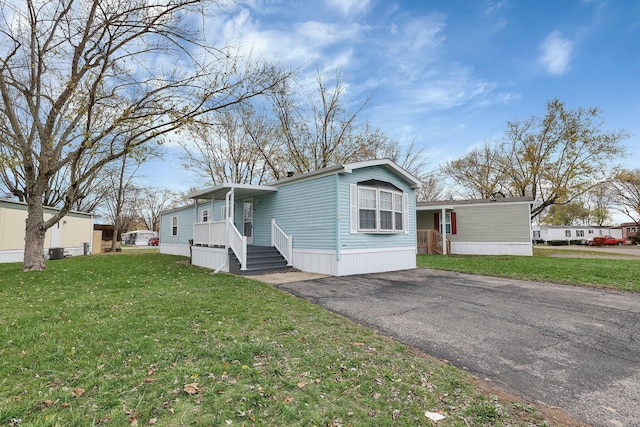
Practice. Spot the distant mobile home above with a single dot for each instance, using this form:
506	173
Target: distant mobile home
348	219
138	237
545	233
73	234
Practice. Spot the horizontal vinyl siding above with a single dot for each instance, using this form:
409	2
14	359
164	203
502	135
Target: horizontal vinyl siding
492	223
304	210
370	240
204	207
186	218
217	210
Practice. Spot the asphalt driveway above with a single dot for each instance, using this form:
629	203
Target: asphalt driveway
569	347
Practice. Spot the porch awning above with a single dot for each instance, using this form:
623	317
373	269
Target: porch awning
218	192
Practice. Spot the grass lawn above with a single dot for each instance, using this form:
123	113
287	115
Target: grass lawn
621	274
141	339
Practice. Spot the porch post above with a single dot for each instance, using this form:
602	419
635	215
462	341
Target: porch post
195	216
443	221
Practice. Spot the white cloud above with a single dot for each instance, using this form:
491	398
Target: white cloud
556	53
348	7
299	43
449	89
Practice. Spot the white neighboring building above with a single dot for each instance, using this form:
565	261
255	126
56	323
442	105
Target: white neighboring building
138	237
566	232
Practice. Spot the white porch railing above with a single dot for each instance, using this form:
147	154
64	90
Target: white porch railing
238	243
282	242
210	233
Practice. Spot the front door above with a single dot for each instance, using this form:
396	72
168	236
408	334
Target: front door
247	219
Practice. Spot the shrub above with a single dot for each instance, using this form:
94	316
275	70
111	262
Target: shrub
557	242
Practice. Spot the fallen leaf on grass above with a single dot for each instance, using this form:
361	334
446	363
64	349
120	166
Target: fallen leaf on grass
191	388
433	416
48	403
77	392
301	385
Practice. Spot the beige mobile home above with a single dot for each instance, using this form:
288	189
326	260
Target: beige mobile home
72	235
496	226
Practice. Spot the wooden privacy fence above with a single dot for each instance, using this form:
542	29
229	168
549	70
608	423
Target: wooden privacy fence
430	242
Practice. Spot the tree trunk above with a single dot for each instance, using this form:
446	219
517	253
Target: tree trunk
117	223
34	237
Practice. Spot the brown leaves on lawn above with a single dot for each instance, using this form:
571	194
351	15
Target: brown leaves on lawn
192	388
152	369
77	392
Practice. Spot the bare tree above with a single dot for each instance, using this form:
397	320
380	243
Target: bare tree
84	82
245	145
234	145
121	197
558	157
432	188
320	131
625	192
477	173
554	158
599	200
152	202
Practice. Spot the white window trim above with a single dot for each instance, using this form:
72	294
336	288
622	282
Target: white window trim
446	224
402	210
177	225
202	215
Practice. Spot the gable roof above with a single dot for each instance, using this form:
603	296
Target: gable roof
349	168
247	190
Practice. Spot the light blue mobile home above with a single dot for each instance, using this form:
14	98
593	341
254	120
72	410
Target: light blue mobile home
348	219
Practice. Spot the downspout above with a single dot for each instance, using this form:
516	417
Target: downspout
443	221
337	193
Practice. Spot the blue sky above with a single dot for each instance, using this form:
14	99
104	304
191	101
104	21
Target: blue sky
450	74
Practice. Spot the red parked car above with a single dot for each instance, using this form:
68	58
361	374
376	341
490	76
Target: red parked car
154	241
606	240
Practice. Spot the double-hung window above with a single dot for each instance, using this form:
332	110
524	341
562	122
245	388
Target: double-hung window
386	210
205	215
450	226
367	209
380	207
398	211
174	225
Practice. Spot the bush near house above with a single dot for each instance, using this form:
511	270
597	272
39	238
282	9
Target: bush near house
563	242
